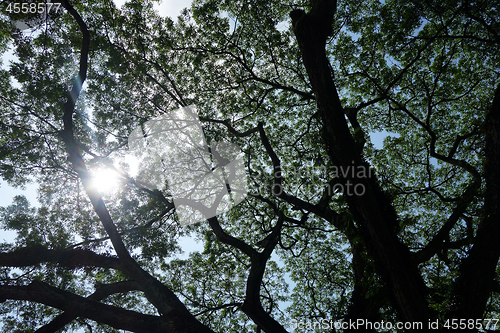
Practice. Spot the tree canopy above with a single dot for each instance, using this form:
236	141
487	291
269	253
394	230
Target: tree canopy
333	229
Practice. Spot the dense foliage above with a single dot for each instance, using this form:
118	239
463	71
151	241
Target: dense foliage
300	87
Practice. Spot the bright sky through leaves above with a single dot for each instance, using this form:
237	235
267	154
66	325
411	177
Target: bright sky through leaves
105	180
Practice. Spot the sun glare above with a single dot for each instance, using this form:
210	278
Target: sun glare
105	180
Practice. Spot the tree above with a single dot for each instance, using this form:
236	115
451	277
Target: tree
404	233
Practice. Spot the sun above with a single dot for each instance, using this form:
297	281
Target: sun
105	180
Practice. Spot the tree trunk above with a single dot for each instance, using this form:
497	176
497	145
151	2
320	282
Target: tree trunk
372	211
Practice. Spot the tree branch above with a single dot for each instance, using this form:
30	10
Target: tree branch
119	318
321	209
230	128
102	291
437	241
252	305
72	258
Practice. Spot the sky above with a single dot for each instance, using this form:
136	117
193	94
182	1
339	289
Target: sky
170	8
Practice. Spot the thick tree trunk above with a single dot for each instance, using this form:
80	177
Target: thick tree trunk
372	211
365	301
477	272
